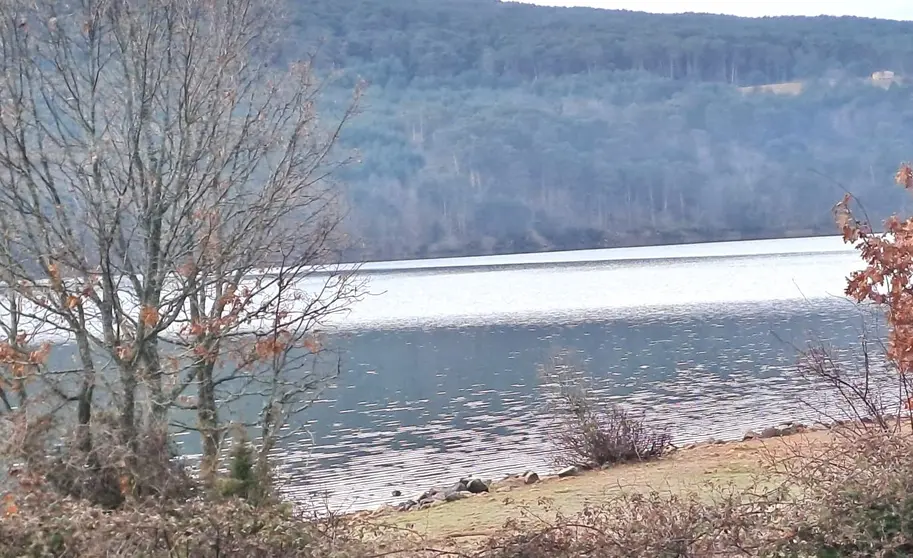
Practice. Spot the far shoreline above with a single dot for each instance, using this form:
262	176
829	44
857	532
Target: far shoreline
649	241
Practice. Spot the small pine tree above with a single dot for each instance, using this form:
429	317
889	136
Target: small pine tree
242	460
241	481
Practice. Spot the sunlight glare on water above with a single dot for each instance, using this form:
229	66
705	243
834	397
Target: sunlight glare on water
565	288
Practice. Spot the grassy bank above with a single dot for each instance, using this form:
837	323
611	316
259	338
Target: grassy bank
737	464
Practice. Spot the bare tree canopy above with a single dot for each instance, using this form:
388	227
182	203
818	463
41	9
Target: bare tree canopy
167	208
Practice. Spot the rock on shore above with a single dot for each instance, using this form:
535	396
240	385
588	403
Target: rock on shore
785	429
434	496
469	487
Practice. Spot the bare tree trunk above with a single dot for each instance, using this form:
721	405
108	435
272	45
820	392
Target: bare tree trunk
208	424
84	399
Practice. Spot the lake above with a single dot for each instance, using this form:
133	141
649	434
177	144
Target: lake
441	360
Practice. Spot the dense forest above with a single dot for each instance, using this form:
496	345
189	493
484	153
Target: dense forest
498	127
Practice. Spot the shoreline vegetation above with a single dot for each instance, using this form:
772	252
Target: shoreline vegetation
693	467
752	497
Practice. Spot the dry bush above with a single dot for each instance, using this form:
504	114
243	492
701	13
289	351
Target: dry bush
851	499
858	388
40	524
606	435
728	523
854	498
146	504
109	472
591	432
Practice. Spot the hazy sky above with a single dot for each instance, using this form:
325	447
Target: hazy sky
889	9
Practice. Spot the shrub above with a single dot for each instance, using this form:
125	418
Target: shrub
109	473
591	432
245	479
653	525
608	435
856	498
852	498
44	525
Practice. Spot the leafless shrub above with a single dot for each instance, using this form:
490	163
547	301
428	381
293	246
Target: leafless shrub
43	525
852	499
106	475
859	388
591	432
728	523
850	494
149	469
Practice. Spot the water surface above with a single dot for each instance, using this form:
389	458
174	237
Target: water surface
441	360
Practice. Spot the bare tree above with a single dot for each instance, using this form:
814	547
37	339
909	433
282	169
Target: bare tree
166	206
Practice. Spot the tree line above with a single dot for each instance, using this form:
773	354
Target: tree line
499	127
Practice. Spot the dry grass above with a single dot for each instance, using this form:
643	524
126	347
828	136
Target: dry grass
736	464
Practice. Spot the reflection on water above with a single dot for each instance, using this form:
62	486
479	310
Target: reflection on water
441	365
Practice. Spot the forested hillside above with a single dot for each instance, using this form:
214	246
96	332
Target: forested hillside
496	127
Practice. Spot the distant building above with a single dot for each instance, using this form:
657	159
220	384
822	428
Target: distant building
883	75
884	78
